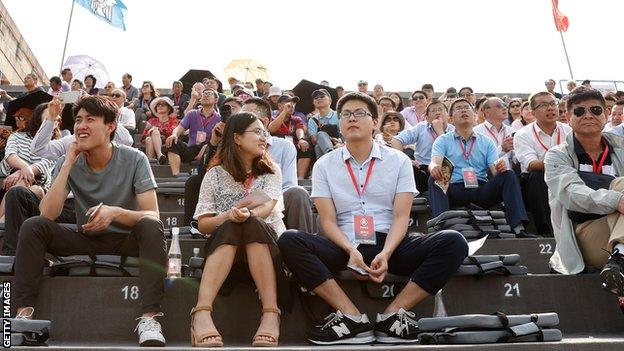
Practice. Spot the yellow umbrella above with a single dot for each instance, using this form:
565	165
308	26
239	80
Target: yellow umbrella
246	70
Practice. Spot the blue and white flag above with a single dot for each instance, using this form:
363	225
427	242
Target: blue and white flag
109	11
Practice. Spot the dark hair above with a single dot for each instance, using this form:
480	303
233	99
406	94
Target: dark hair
339	87
457	101
177	82
65	70
489	95
619	103
228	155
583	93
235	99
586	81
610	98
92	77
400	107
619	94
79	82
417	92
536	95
55	80
435	101
128	75
98	105
426	86
466	88
509	116
153	92
390	114
550	81
480	102
35	120
262	104
365	98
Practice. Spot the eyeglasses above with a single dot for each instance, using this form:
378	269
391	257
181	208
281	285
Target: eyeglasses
359	114
462	108
437	109
386	104
116	96
418	97
208	92
547	104
595	110
259	132
319	96
362	84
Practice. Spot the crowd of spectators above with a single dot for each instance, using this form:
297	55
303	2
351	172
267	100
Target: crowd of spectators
555	157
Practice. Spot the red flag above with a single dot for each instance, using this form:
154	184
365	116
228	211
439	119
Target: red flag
561	21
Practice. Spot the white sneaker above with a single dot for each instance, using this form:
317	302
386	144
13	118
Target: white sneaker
150	332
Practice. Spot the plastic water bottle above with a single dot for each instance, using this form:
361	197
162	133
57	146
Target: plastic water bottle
196	252
174	269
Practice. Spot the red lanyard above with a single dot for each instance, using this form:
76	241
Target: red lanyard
494	135
598	167
467	155
540	141
370	170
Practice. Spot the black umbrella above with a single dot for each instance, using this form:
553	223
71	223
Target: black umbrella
29	101
304	91
193	76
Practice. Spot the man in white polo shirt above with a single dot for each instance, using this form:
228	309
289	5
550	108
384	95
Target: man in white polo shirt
531	144
363	193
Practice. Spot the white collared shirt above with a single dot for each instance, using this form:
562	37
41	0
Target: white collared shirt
498	136
528	148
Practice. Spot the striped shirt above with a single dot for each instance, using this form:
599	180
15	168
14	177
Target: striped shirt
19	144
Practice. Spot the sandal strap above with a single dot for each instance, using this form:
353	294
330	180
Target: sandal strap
272	310
265	334
209	334
201	308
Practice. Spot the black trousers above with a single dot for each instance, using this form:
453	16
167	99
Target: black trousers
191	196
535	194
40	235
21	204
421	178
429	260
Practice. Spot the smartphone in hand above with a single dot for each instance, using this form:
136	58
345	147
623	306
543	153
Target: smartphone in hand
93	213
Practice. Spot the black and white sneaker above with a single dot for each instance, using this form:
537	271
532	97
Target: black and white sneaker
397	328
612	274
340	329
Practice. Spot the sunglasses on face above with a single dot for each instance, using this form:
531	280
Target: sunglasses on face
362	84
418	97
319	96
595	110
116	96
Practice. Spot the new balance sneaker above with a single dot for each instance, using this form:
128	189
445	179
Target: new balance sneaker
612	274
341	329
397	328
150	333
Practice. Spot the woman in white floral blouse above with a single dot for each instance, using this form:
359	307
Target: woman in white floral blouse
240	206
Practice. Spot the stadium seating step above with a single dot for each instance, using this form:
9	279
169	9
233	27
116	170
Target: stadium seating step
573	343
70	301
161	171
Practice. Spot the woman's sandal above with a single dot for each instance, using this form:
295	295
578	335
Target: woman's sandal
256	342
197	341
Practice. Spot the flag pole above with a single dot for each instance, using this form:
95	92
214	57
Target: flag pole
71	13
566	55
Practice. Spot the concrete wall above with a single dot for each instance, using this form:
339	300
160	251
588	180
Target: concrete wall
16	58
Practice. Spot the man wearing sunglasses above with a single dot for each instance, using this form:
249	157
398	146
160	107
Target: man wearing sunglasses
583	175
126	115
323	126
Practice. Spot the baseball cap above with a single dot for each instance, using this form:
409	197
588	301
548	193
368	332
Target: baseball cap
275	91
319	92
288	98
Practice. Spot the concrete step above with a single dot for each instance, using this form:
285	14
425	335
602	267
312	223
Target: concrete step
572	343
75	303
164	171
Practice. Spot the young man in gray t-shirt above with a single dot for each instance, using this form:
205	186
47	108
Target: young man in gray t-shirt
116	214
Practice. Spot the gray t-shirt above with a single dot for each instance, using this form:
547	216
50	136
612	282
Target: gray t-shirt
127	174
